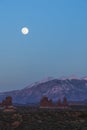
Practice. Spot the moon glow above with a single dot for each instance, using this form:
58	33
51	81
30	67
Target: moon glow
25	30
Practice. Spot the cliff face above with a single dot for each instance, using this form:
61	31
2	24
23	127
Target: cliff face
72	89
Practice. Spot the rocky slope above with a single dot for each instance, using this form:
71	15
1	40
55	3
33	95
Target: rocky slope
73	89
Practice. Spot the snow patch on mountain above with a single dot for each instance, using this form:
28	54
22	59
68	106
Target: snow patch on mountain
84	78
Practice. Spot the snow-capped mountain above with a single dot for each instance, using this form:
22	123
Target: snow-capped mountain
73	89
84	78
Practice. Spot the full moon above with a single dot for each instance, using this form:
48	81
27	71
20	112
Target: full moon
25	30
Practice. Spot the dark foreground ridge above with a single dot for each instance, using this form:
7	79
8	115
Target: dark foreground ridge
32	118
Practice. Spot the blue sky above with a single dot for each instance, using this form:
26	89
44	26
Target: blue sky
56	45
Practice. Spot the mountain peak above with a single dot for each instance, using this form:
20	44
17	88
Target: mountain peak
73	77
39	82
69	78
84	78
73	89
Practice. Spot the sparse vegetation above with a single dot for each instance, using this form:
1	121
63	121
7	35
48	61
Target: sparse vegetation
27	118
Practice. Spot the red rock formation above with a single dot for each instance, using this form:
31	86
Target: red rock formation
7	101
48	103
59	103
44	102
65	103
3	103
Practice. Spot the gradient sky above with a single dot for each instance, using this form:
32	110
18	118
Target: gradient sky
56	45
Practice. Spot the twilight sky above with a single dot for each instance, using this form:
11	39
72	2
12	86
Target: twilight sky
56	45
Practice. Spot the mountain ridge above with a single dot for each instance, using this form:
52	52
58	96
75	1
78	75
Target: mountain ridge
73	89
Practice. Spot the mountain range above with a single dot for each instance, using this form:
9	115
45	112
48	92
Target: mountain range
74	89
